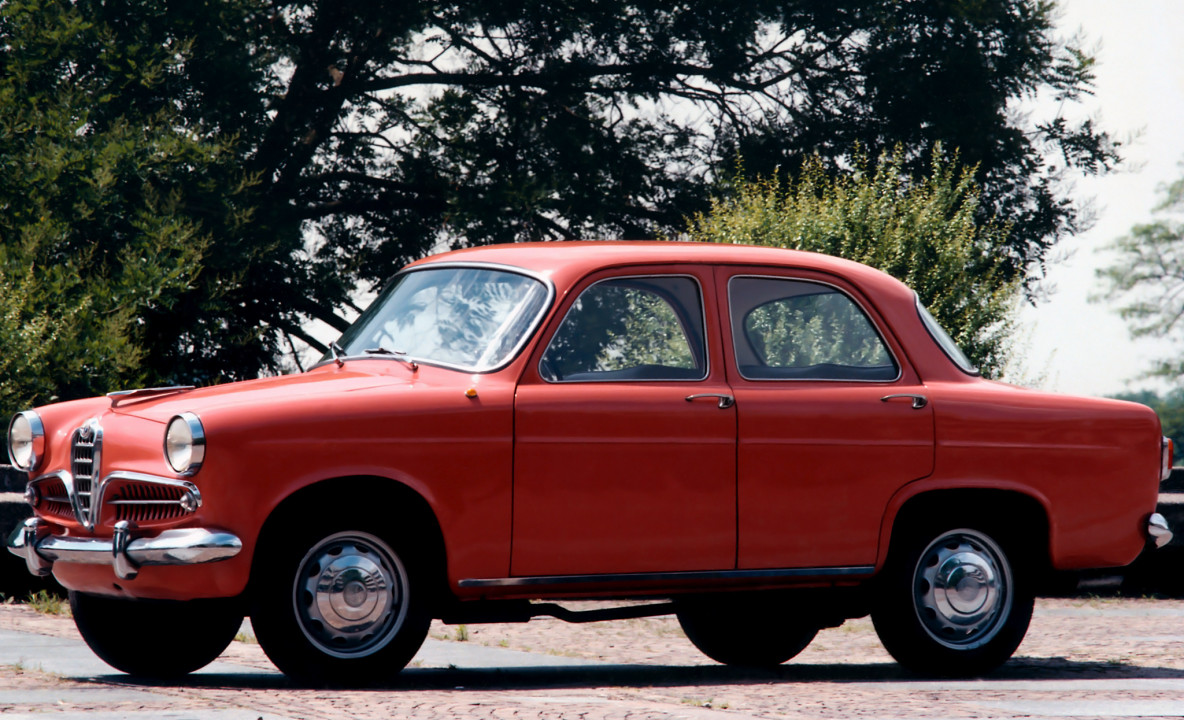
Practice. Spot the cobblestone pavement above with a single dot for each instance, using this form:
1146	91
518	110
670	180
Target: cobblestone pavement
1082	658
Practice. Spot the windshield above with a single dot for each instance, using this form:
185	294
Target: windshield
473	319
947	344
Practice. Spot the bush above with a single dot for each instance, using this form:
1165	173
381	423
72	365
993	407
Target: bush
926	233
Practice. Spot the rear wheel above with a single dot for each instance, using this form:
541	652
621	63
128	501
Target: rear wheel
346	607
953	602
152	638
722	629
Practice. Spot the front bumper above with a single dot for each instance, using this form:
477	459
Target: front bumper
189	546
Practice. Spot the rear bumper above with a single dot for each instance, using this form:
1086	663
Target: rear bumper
189	546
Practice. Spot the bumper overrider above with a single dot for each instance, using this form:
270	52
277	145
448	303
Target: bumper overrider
34	542
1158	531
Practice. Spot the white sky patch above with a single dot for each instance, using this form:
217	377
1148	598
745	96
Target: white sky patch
1076	345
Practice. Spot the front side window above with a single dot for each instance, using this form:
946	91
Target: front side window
794	329
470	318
642	328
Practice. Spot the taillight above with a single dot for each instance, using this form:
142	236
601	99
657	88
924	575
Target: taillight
1165	462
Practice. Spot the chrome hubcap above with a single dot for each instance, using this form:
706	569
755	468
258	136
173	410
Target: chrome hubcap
350	594
962	589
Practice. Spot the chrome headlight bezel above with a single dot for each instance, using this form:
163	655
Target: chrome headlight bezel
184	444
26	426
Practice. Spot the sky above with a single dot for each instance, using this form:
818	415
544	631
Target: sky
1071	344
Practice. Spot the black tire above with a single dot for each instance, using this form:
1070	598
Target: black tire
153	639
347	606
953	601
721	628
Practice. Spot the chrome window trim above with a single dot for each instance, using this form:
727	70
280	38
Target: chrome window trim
858	304
703	329
37	428
922	311
510	357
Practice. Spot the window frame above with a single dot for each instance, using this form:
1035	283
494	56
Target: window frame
614	278
880	334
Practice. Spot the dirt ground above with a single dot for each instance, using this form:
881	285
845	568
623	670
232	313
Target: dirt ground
1124	645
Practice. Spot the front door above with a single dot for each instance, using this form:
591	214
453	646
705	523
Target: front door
625	433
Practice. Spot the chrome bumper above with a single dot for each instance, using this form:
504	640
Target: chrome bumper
1158	530
189	546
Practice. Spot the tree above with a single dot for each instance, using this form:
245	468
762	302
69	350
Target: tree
926	233
1148	274
375	132
102	218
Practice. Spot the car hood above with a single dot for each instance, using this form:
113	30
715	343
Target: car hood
327	383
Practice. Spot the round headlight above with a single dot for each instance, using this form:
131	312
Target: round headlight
26	440
185	444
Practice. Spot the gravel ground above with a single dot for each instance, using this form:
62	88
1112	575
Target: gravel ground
1082	658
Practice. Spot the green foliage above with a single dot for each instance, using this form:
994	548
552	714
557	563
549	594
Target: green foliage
355	137
925	233
102	220
805	330
1170	408
47	603
616	326
1148	276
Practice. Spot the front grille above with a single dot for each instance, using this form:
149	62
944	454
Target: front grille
86	450
55	502
143	503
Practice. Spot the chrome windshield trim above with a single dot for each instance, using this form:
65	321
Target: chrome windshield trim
682	576
527	335
862	308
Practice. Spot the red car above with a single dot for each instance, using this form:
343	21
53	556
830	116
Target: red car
748	432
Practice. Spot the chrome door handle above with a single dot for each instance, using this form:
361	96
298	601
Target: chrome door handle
919	401
725	401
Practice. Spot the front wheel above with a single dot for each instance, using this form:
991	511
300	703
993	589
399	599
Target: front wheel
340	608
155	639
953	603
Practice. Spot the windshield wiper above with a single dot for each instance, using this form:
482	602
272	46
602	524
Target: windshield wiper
399	355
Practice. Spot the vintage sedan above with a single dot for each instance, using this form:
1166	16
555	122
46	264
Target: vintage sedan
749	433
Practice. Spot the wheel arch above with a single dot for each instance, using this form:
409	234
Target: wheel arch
391	500
1025	515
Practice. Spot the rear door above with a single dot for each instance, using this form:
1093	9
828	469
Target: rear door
832	420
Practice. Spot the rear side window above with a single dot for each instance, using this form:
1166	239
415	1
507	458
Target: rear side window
786	329
642	328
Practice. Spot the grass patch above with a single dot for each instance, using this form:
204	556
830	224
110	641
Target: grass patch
47	603
245	638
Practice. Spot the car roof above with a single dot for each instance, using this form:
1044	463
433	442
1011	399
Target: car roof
576	258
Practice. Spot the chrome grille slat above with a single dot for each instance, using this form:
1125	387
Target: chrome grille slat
85	463
141	502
